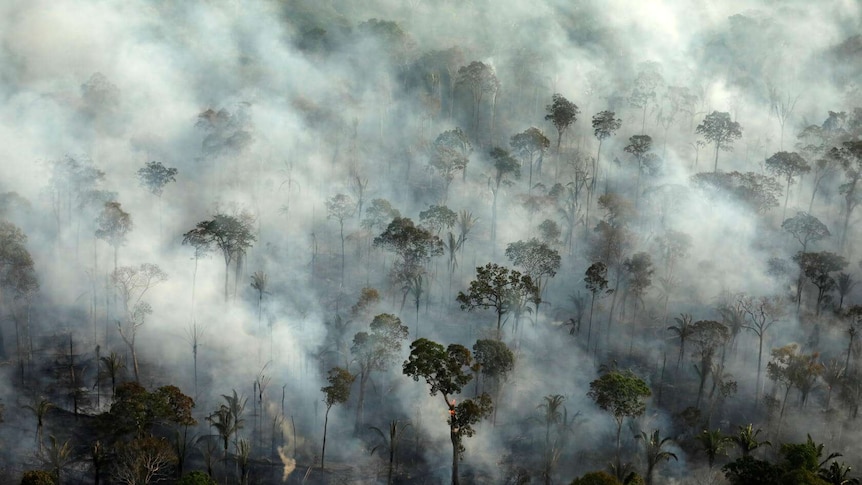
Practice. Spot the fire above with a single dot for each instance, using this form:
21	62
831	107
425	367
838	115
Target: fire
452	408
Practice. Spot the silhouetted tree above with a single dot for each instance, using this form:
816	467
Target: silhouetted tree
132	284
505	166
450	153
496	287
817	268
446	371
597	282
788	166
231	234
337	392
341	207
622	394
155	176
849	158
114	224
375	351
528	144
719	130
605	124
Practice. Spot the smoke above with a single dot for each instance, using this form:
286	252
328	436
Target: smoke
314	98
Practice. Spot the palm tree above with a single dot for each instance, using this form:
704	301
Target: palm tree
40	409
746	439
56	456
714	443
837	473
551	415
112	366
243	455
396	432
653	444
682	330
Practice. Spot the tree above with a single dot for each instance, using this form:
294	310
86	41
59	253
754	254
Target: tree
114	224
683	330
494	360
37	477
379	214
746	439
781	106
707	336
17	279
528	144
143	460
605	124
396	432
231	234
714	443
39	408
622	394
817	266
760	315
505	166
375	350
446	371
844	284
639	271
438	217
805	228
496	287
596	478
538	260
755	191
596	279
414	246
849	158
640	146
337	392
792	369
132	284
653	444
341	207
112	366
154	177
788	166
562	113
450	153
137	411
57	457
480	79
718	129
644	90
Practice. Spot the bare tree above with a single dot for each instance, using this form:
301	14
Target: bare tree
132	284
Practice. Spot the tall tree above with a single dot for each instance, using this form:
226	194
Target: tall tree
341	207
529	144
718	129
682	330
817	268
788	166
562	113
621	394
337	392
605	124
849	158
132	284
505	167
480	79
374	351
596	279
644	90
114	224
708	337
653	444
640	146
446	371
231	234
154	177
494	361
450	153
781	105
760	315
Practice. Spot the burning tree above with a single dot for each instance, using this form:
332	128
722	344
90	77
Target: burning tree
447	371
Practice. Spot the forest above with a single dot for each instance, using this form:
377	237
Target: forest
430	241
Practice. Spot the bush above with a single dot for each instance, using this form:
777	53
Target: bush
596	478
196	478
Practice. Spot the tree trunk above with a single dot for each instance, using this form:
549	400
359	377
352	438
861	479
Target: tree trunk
360	402
715	167
455	440
590	326
323	450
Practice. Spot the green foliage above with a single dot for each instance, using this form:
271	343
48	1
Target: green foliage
437	218
338	390
494	359
444	369
605	124
755	191
620	393
137	410
499	288
113	224
748	470
596	478
196	478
